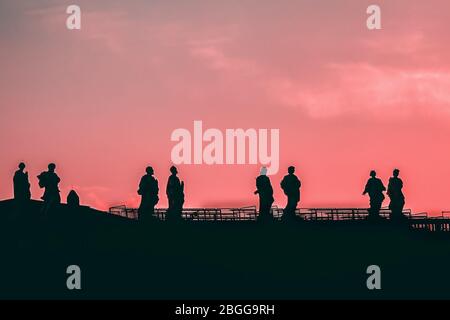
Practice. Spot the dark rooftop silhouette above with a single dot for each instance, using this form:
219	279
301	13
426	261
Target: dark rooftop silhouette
325	255
223	253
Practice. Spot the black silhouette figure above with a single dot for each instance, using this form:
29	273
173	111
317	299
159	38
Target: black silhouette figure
374	188
175	195
21	183
50	180
265	191
395	193
291	187
73	200
148	190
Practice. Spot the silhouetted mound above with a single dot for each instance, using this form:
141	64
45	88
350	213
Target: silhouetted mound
121	258
32	213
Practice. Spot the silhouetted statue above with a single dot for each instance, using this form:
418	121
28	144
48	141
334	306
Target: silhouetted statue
265	191
396	195
148	190
374	188
291	187
175	195
73	200
50	180
21	183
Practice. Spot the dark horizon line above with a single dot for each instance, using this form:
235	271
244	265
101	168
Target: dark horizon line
232	207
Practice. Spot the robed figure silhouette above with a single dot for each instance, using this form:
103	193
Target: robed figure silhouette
175	195
396	196
148	190
50	180
73	199
21	184
291	188
374	187
265	191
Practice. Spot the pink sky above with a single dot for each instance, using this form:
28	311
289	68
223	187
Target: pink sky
102	102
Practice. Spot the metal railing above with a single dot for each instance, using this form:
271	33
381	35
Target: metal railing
419	221
251	213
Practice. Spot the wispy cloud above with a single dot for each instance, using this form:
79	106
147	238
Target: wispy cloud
365	88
